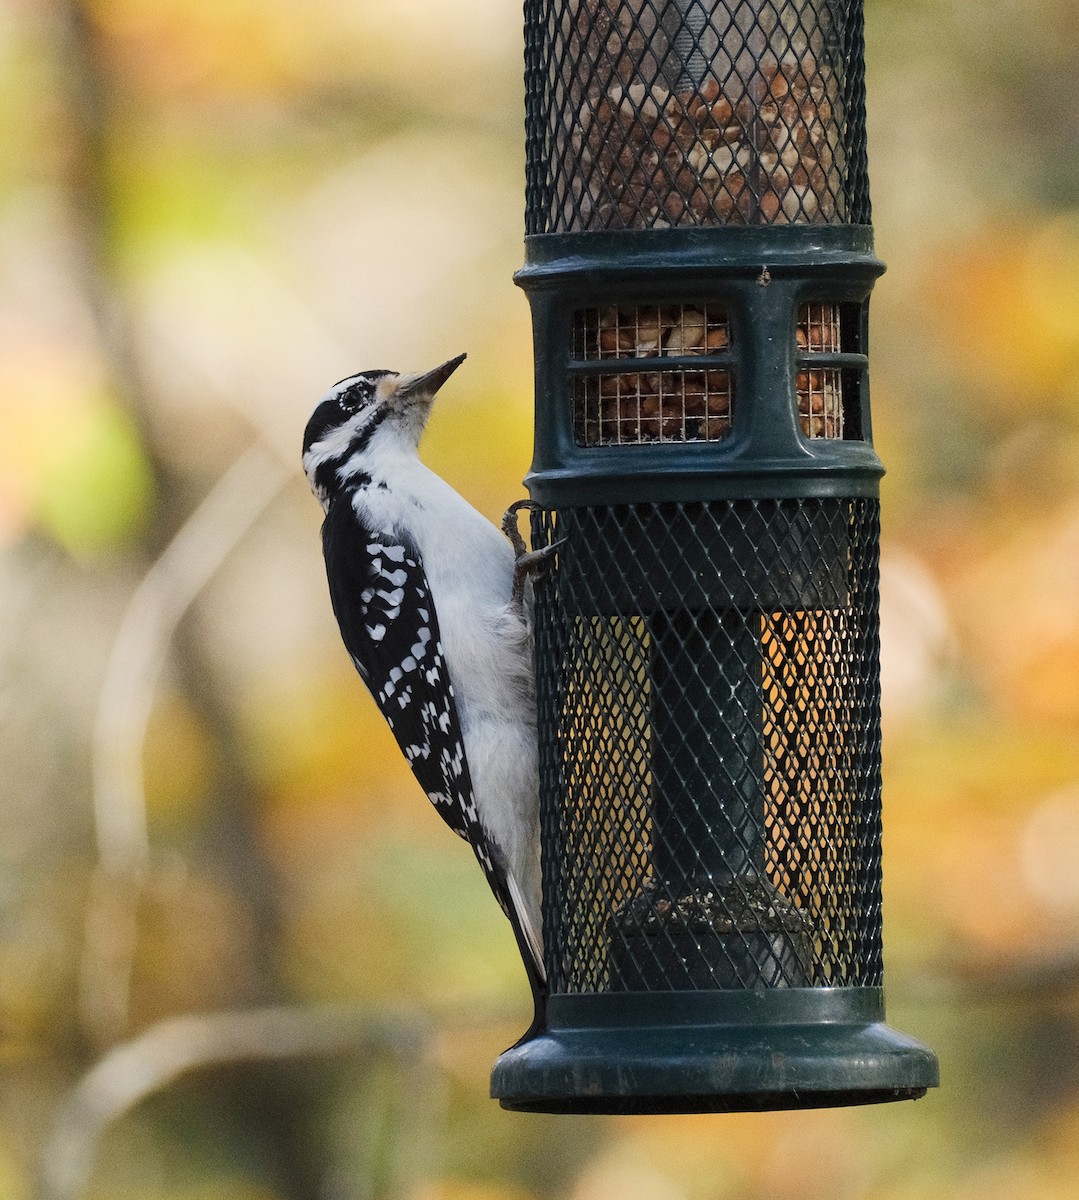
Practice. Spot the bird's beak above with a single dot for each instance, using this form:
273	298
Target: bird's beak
430	381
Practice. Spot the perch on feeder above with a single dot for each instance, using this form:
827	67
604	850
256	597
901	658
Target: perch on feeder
699	262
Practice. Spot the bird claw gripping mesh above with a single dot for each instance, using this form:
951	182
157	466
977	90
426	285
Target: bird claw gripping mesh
709	758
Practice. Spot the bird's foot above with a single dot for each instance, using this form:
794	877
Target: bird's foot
526	562
530	564
511	529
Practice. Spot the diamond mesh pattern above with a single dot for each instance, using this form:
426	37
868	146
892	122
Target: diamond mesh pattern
710	743
647	114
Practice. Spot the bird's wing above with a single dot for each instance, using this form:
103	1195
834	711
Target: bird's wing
383	606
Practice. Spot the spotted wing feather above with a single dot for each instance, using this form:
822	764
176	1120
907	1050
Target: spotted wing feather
388	622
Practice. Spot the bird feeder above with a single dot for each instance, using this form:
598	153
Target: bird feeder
699	260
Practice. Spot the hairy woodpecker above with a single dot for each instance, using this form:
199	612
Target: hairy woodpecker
429	597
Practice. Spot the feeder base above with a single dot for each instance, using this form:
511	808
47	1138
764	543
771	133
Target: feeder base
718	1051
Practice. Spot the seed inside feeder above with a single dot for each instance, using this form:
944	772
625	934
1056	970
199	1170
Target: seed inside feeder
752	139
656	402
819	390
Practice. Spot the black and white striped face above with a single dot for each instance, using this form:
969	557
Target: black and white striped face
346	425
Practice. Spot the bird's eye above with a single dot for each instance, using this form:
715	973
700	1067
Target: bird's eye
358	395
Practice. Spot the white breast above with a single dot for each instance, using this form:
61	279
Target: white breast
469	566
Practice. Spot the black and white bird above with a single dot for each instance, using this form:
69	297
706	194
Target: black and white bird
429	597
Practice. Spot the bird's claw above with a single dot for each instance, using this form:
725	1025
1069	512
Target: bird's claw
527	562
510	527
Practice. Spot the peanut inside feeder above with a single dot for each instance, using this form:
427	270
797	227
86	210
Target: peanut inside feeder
737	126
819	389
655	400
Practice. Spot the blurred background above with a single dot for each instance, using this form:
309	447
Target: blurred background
240	956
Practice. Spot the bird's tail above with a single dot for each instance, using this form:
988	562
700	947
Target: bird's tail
530	924
526	923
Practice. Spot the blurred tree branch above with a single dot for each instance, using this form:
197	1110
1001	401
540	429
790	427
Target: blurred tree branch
138	653
179	553
156	608
134	1070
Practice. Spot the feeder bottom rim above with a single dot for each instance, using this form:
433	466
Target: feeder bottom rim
735	1102
713	1068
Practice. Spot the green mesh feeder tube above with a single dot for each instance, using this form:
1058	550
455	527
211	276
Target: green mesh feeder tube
699	260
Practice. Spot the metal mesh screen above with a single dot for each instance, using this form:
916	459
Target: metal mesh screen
647	114
667	373
659	397
710	741
819	389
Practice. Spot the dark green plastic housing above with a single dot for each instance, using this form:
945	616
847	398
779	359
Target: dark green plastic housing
719	1051
699	263
762	275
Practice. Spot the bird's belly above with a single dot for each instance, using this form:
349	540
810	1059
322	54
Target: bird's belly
489	659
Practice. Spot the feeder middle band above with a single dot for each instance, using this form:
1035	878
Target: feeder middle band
703	363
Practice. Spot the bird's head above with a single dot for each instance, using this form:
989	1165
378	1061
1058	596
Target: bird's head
362	415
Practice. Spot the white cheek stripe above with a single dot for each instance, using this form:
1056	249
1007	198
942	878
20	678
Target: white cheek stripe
337	441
